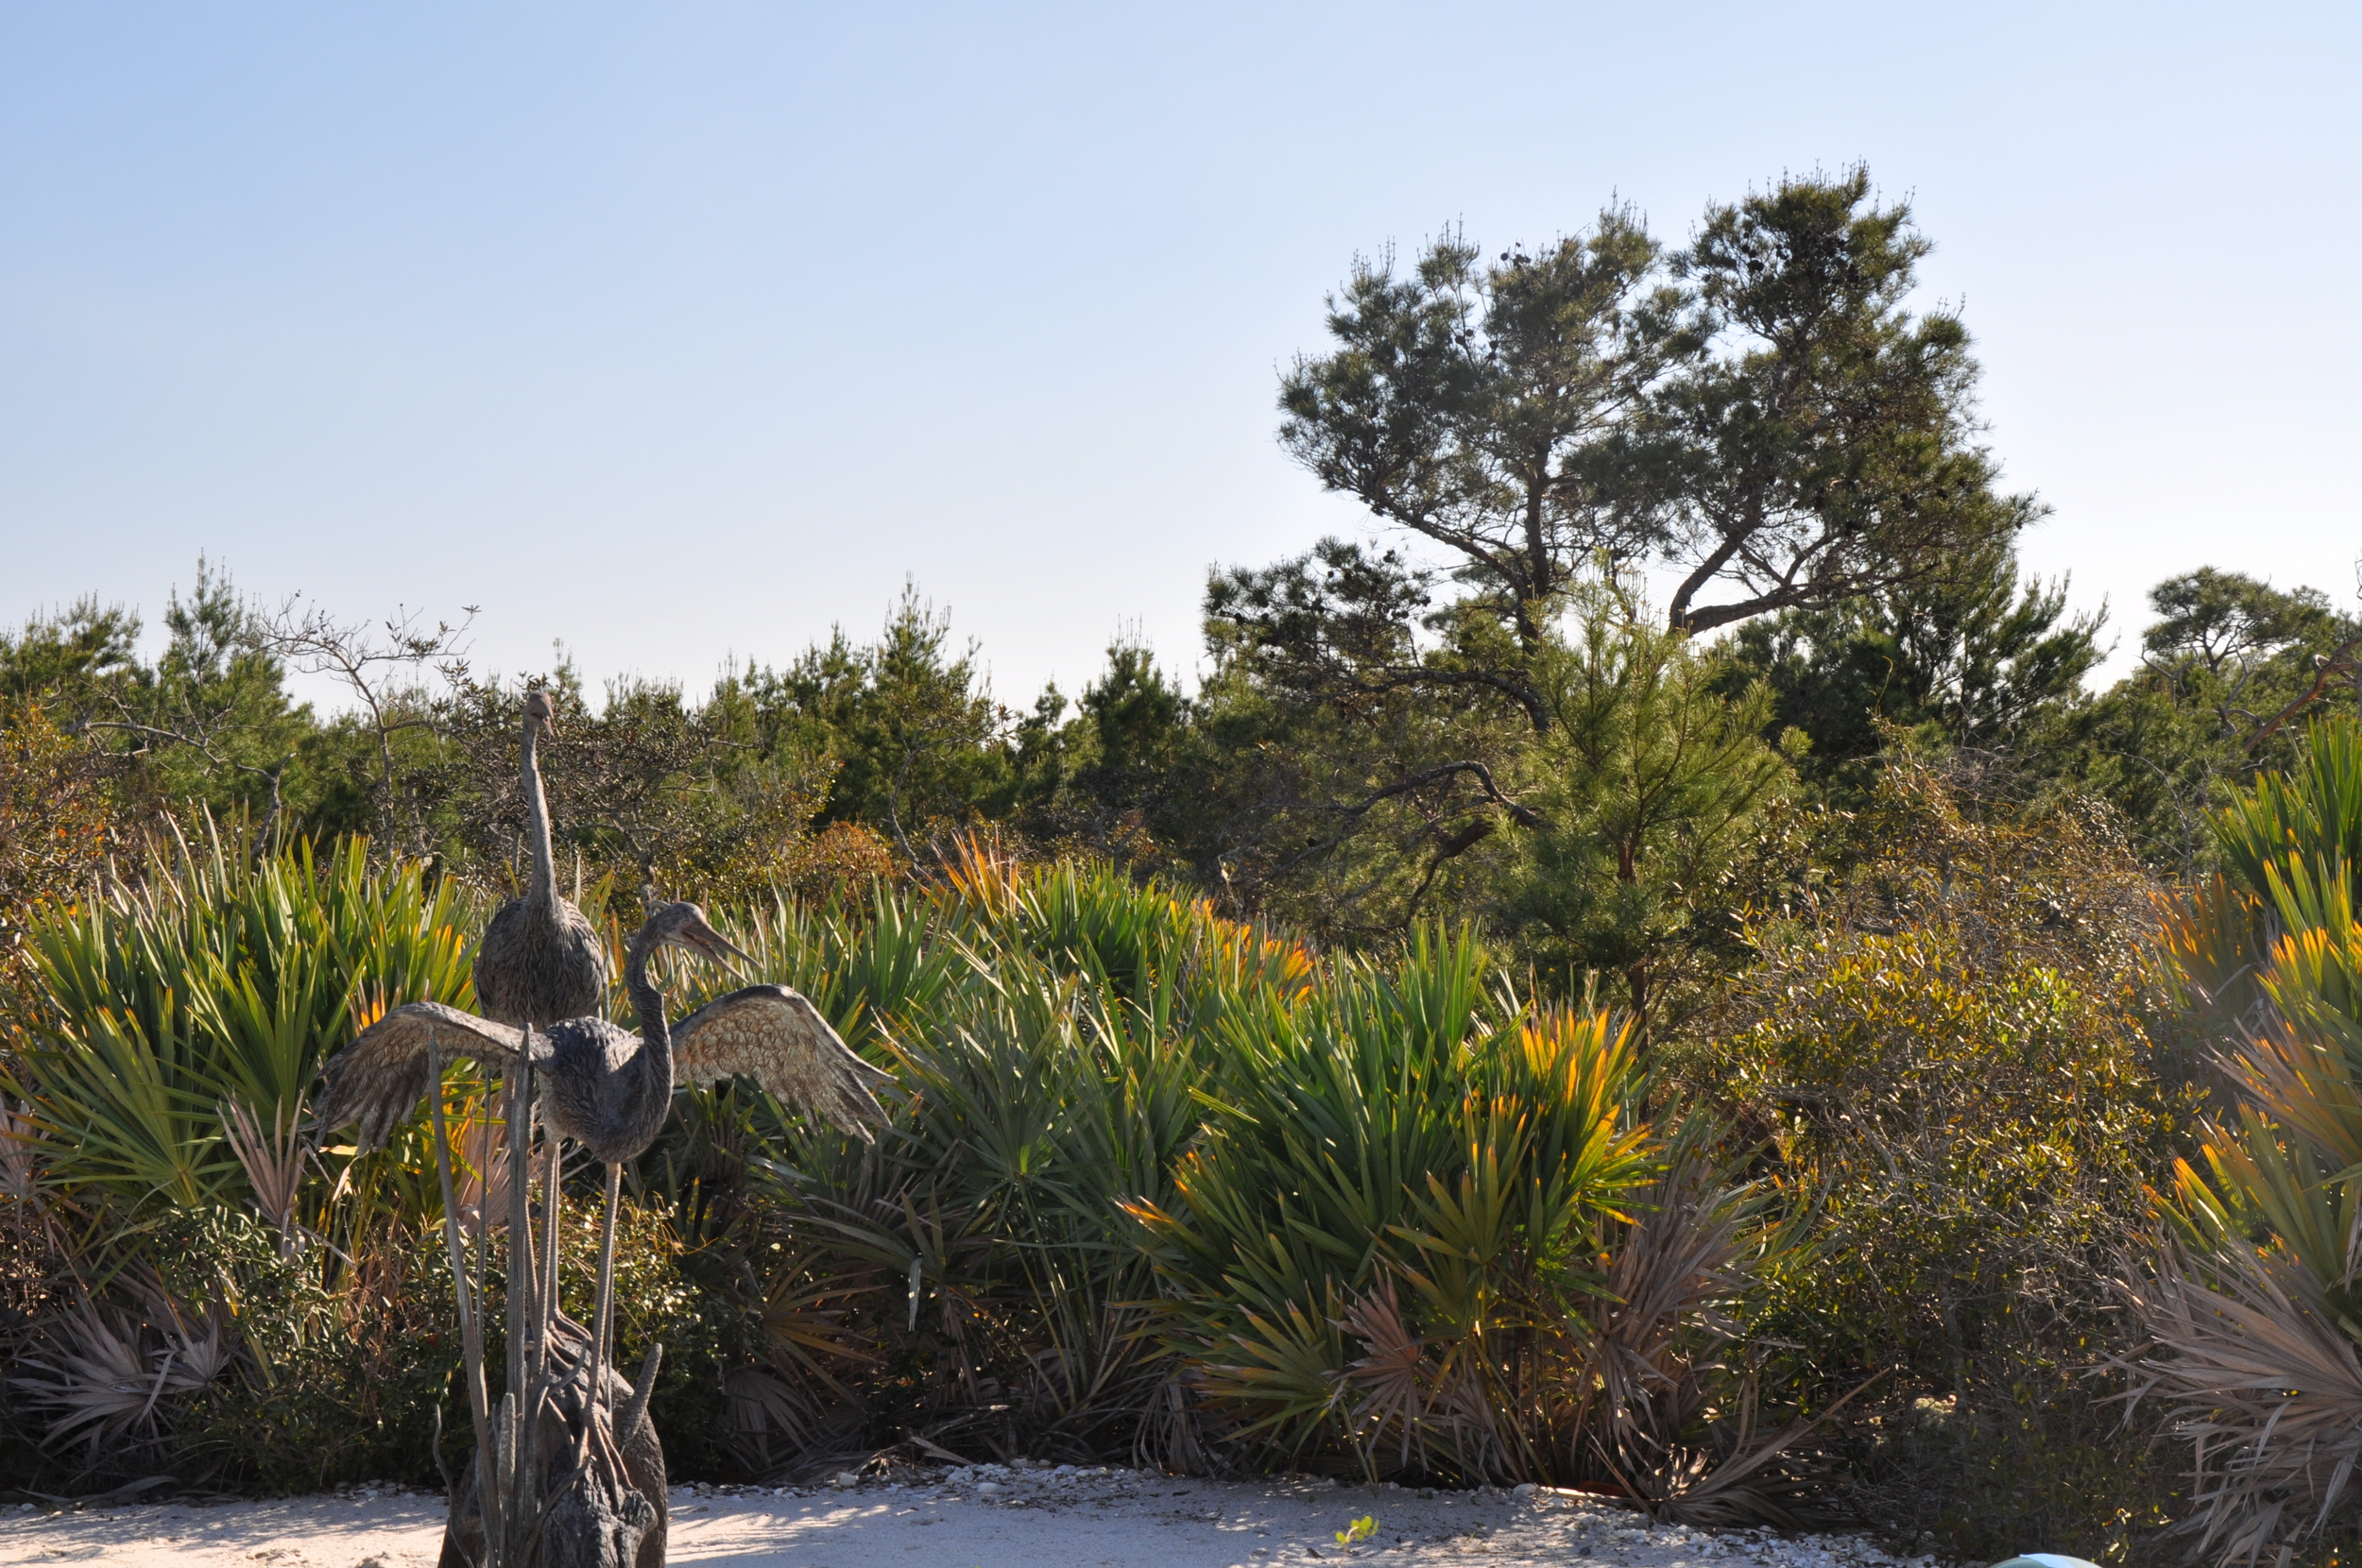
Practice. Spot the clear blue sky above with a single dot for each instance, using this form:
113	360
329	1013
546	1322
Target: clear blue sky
683	332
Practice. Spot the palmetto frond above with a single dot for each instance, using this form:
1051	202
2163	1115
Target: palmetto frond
273	1161
2255	1345
2266	1384
102	1370
218	976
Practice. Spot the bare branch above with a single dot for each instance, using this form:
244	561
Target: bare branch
1349	816
2326	668
371	663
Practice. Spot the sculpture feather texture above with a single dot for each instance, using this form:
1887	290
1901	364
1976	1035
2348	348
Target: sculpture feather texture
602	1086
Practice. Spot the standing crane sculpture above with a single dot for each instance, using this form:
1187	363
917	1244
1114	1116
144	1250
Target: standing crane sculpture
606	1089
540	961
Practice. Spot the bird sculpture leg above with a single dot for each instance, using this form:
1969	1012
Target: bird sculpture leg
553	1210
604	1314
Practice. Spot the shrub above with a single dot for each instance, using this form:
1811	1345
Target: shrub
1426	1230
1950	1058
970	1278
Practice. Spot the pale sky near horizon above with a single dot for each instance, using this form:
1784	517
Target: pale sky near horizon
679	333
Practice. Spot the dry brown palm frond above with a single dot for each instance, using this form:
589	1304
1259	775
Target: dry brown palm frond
273	1163
1391	1379
1646	1379
1676	1267
1747	1481
198	1344
20	1172
102	1370
92	1372
2267	1387
1423	1402
1172	1433
484	1155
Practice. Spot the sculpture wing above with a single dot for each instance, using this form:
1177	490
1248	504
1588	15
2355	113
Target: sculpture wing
777	1038
379	1078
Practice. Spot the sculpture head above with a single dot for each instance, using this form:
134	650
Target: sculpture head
541	710
684	924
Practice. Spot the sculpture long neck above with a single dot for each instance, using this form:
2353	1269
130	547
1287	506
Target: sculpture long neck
541	892
647	1005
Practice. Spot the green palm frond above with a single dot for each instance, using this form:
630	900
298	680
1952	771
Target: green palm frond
217	977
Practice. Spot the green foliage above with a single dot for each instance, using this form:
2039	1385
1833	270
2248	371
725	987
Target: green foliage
53	821
1604	811
1651	790
655	791
224	975
2228	673
969	1276
1759	413
218	1356
1971	1482
77	654
319	1386
210	723
1390	1134
1972	1142
1829	449
270	1380
2253	1305
1115	779
1485	406
1974	658
2306	818
909	725
1949	1054
1357	767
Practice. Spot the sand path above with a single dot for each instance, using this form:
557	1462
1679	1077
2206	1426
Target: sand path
1085	1519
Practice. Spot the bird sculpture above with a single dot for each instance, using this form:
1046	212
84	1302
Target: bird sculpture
540	960
604	1087
608	1089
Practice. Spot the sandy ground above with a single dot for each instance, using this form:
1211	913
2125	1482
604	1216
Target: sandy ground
984	1517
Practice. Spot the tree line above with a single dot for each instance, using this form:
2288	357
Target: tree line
1473	713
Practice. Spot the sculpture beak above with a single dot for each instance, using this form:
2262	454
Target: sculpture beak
713	944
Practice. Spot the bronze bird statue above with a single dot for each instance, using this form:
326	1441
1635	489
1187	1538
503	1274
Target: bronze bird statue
608	1089
604	1087
540	960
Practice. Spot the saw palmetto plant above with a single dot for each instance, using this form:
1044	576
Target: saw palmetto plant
972	1275
1426	1230
159	1059
1157	1184
2256	1305
216	976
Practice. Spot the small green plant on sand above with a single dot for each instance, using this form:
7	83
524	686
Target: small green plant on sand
1360	1530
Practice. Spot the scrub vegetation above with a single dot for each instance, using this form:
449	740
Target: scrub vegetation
1803	1053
